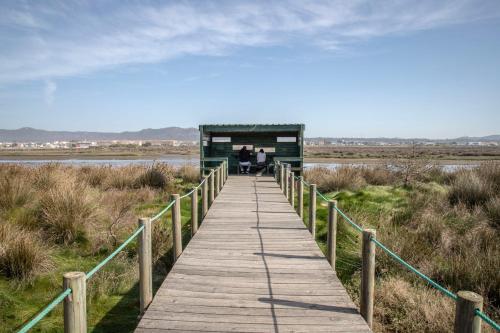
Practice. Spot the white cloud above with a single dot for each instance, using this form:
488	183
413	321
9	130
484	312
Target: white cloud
49	92
56	39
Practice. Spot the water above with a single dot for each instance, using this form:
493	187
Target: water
179	160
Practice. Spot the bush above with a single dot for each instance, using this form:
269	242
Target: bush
402	307
14	192
468	188
493	212
490	172
189	173
327	180
22	256
65	212
378	175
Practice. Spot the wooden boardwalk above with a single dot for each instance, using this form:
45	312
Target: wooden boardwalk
252	267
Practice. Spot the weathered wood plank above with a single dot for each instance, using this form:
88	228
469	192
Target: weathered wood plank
252	267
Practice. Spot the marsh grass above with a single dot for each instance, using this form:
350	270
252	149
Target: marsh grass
61	218
446	225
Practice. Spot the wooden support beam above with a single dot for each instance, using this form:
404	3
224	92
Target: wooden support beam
312	210
332	233
145	265
204	197
75	304
300	195
466	320
194	211
177	226
368	276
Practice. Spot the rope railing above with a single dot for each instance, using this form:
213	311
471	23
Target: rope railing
46	310
398	259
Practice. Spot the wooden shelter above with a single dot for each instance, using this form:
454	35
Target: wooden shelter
283	142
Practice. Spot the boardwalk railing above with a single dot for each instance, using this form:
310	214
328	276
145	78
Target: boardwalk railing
469	305
74	283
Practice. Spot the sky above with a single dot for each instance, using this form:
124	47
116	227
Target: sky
360	68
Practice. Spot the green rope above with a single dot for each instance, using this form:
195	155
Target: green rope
188	194
487	319
164	210
414	270
115	252
322	196
29	325
357	227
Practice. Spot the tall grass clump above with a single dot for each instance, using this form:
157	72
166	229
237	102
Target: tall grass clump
66	212
14	191
403	307
327	180
470	189
189	173
22	257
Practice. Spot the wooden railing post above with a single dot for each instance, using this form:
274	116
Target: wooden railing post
286	180
226	172
312	210
332	232
221	177
368	276
177	226
211	197
276	171
466	320
216	181
282	176
75	304
204	197
145	265
300	195
194	211
292	189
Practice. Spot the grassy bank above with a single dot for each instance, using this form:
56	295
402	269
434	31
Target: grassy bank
445	224
55	219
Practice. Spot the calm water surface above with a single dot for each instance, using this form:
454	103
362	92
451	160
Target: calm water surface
179	160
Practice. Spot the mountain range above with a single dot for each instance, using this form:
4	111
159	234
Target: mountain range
28	134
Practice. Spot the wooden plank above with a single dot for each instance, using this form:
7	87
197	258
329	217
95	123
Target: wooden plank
252	267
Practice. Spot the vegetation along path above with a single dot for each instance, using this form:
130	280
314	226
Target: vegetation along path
252	267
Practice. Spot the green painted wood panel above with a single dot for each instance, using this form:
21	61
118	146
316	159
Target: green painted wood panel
255	136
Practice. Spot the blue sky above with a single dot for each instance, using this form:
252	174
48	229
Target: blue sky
344	68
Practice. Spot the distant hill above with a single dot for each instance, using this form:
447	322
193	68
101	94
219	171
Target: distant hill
28	134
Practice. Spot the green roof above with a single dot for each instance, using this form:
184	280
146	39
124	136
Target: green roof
251	127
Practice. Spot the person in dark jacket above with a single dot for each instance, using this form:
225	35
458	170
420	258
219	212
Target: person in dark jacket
244	157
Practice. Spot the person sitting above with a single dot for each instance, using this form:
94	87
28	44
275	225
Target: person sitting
244	157
261	159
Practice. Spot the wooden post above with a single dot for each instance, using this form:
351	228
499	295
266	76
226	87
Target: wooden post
204	197
292	189
300	195
211	197
368	276
332	232
285	182
75	304
216	181
226	172
282	176
145	265
221	177
194	212
466	320
276	169
177	226
312	210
